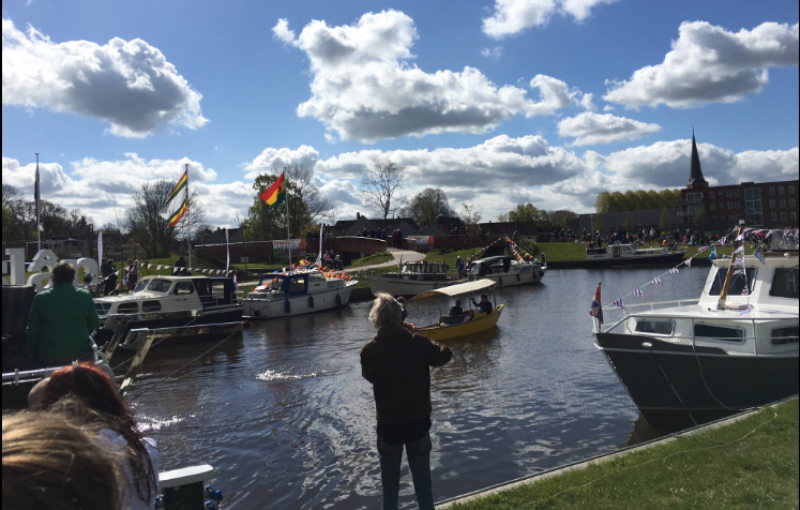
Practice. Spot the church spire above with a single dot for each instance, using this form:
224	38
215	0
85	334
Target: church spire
696	179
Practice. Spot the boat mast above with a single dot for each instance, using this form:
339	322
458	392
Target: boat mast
724	294
288	235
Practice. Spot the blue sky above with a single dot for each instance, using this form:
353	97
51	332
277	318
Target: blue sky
562	98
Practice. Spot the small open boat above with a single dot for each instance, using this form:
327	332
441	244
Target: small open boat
454	326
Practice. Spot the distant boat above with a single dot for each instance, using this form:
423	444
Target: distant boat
412	279
691	362
506	271
455	326
624	255
296	293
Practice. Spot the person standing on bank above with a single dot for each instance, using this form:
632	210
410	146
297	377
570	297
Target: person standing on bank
60	322
397	363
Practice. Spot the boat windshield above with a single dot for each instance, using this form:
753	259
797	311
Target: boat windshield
158	285
737	282
140	286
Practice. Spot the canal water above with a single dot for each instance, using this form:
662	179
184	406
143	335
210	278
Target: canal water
285	417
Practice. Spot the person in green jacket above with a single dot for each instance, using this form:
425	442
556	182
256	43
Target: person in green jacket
61	320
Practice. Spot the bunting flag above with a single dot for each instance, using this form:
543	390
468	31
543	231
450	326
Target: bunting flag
177	201
747	310
596	310
688	262
618	304
656	281
638	292
149	266
674	270
713	254
723	241
738	272
702	249
740	249
740	237
745	291
759	255
275	194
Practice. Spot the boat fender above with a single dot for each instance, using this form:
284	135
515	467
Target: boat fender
287	306
311	302
338	300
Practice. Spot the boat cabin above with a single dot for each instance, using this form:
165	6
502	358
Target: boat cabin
290	285
164	294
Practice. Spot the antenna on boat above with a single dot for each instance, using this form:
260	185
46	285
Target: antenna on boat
724	294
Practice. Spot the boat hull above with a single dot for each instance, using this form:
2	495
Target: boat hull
513	279
675	387
255	308
405	287
670	259
478	324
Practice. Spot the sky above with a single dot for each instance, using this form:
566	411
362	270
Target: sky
497	102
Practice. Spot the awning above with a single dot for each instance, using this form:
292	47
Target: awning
455	290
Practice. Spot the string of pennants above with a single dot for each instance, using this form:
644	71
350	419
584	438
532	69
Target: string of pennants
328	273
520	254
173	269
638	292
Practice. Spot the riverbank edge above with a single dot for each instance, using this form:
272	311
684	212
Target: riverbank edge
604	458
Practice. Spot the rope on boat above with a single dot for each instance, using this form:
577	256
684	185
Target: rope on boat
181	368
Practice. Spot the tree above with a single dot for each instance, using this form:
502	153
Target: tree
640	200
665	223
627	223
528	213
427	206
146	226
564	219
471	219
700	220
380	186
603	202
265	223
305	190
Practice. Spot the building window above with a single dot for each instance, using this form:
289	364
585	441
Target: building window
713	207
793	216
722	205
772	204
752	206
783	203
781	191
791	190
694	198
730	192
730	205
691	210
738	205
783	216
773	216
771	191
792	202
722	217
710	194
713	219
736	192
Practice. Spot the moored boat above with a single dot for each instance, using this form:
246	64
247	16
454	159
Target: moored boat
507	271
470	322
413	278
736	347
624	255
296	293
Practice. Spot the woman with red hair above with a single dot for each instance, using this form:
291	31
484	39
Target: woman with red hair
102	405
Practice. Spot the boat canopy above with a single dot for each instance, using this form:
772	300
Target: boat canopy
455	290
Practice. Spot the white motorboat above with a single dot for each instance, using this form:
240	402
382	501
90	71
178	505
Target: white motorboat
736	347
296	293
160	302
413	278
623	255
507	271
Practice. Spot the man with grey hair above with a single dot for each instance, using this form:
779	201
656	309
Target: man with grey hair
397	362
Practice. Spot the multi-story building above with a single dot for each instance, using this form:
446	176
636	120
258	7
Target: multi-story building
762	204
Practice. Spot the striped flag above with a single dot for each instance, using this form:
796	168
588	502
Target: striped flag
688	262
723	241
702	249
596	310
740	237
740	249
745	291
739	272
674	270
759	255
638	292
618	303
177	202
656	281
275	195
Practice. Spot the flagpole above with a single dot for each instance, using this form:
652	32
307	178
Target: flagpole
188	226
38	205
288	234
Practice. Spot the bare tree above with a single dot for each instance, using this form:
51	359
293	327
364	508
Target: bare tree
427	206
302	186
471	218
380	186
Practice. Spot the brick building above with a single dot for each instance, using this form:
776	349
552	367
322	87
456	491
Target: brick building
763	204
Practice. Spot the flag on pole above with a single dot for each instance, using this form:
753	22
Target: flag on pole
713	254
100	247
657	281
235	281
37	199
228	247
638	292
319	255
275	194
759	255
596	309
174	208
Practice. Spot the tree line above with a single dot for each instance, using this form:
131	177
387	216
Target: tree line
640	200
19	218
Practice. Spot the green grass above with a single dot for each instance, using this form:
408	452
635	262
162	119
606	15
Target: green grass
450	258
751	464
378	258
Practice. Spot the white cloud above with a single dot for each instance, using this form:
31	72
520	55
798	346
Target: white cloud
586	103
276	159
364	88
594	128
281	31
493	53
709	64
513	16
129	84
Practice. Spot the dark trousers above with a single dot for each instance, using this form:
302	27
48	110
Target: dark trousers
418	453
111	283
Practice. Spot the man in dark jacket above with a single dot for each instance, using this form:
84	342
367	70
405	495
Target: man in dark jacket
397	363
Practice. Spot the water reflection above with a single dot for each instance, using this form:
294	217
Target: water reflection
284	415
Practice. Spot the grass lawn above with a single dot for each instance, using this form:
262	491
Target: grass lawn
378	258
751	464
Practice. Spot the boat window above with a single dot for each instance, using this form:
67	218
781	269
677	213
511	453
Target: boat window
128	308
102	308
298	285
183	288
737	282
785	336
151	306
140	286
655	326
720	333
784	283
159	285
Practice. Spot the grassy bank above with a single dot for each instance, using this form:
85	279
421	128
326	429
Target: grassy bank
749	464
